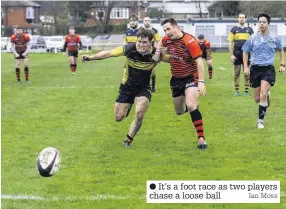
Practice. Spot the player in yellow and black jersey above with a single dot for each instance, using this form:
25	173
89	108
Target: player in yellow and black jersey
147	25
131	33
237	37
135	85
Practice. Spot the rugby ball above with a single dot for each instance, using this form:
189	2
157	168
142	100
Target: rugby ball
48	162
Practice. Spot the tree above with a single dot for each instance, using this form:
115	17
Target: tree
273	8
224	8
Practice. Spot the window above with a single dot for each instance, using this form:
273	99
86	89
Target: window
29	13
207	30
119	13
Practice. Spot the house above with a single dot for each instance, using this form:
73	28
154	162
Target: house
120	13
182	9
24	14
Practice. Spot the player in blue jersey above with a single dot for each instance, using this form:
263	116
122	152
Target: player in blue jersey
262	46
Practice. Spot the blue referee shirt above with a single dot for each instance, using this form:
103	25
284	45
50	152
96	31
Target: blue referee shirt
262	48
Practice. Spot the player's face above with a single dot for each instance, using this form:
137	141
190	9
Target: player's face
71	31
263	24
170	30
147	22
241	19
133	23
143	45
19	32
201	41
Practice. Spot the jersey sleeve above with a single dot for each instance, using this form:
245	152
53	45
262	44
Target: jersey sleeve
231	34
164	41
278	43
194	48
247	46
12	39
118	51
208	45
27	38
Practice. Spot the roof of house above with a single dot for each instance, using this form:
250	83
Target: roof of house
19	4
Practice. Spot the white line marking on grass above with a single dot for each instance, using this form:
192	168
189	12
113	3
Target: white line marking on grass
221	68
62	87
71	198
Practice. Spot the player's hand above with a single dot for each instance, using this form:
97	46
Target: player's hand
17	55
202	88
282	69
209	61
232	58
246	71
24	55
85	58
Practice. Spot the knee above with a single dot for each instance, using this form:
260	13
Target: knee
119	117
256	99
263	94
139	115
192	106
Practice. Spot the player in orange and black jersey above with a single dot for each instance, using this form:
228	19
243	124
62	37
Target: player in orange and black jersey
207	55
147	25
237	37
135	85
187	69
73	44
20	48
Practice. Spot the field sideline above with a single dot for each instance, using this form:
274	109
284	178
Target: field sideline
75	115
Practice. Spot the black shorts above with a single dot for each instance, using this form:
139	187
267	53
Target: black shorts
127	95
239	57
204	56
73	53
259	73
21	57
179	85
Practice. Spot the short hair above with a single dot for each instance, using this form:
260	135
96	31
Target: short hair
200	37
263	14
134	17
19	28
170	20
145	33
241	13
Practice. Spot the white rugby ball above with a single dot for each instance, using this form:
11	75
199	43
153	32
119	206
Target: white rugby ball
48	162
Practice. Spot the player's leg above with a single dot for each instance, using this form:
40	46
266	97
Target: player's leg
121	110
237	69
180	104
75	56
191	102
71	61
26	68
141	106
153	80
210	68
247	80
17	65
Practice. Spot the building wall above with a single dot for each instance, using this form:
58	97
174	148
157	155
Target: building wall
16	16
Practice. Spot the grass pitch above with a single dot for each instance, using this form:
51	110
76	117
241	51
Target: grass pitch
75	115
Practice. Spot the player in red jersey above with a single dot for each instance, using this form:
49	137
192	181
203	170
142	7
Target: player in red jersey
207	54
73	43
21	47
187	70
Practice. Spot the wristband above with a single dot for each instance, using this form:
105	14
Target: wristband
158	51
201	81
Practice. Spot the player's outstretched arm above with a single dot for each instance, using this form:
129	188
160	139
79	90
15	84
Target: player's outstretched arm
98	56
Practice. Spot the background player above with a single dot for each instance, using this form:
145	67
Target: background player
237	37
73	44
135	85
147	25
187	70
206	49
21	47
262	47
131	33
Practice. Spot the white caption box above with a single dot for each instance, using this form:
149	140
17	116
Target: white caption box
212	191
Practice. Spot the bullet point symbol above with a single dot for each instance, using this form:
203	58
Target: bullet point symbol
152	186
